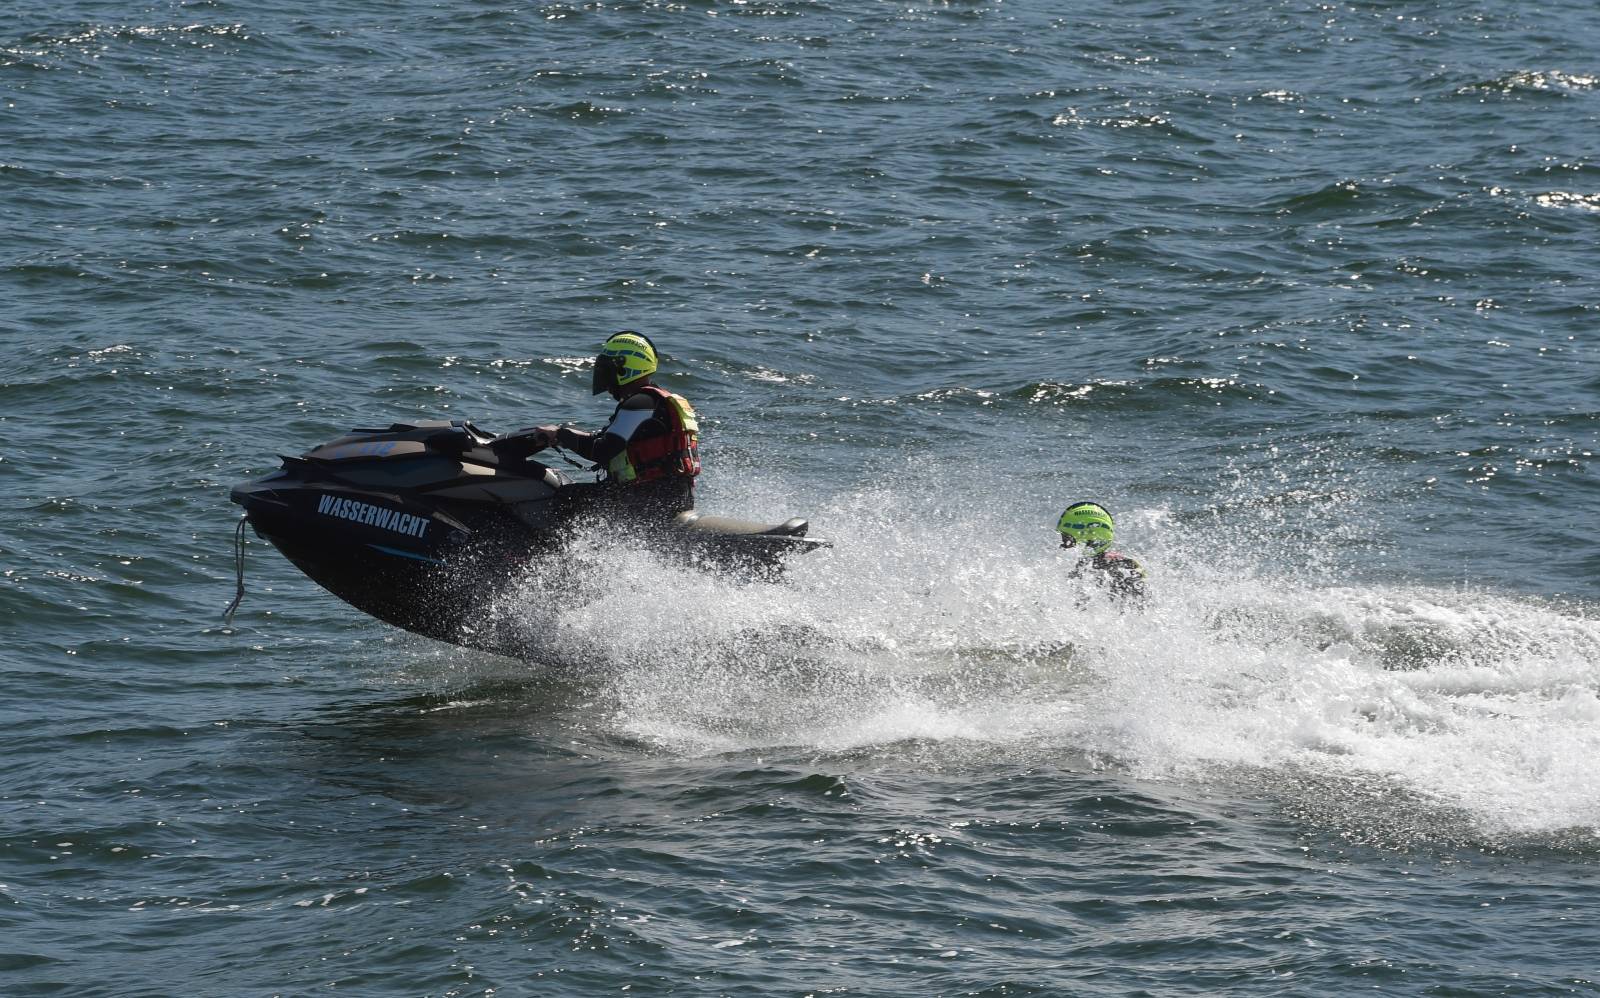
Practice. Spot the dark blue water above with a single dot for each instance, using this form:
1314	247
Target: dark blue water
1306	293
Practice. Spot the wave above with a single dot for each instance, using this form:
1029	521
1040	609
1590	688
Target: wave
1348	197
52	49
1154	394
1533	81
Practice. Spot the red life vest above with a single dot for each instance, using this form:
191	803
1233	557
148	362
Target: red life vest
674	453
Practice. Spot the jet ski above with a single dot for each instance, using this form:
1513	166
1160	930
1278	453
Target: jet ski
419	524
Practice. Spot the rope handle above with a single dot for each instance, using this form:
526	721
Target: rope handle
238	568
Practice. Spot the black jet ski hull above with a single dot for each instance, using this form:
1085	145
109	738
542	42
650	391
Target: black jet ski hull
423	525
398	568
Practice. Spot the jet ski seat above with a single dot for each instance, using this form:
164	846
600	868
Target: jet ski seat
696	522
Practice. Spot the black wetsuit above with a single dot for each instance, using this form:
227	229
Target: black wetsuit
1123	577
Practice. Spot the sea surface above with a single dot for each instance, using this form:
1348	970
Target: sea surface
1306	292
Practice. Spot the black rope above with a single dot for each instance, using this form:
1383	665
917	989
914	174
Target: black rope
238	568
567	458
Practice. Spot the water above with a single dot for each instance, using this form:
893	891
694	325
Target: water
1303	292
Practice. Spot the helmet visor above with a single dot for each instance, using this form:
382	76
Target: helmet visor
605	375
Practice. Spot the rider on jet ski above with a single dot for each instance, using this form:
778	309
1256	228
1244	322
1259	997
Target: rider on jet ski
648	450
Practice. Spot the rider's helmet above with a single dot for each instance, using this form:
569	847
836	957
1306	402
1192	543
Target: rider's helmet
1086	523
624	358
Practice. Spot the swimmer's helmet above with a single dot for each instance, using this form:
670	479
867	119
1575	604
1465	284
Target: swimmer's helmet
1088	524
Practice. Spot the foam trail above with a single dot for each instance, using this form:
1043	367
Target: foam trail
960	627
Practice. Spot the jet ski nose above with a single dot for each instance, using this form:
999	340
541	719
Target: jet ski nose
257	493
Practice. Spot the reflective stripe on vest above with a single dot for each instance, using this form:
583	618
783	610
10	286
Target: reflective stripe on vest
675	452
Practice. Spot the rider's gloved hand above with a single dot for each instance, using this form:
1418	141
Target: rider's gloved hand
535	437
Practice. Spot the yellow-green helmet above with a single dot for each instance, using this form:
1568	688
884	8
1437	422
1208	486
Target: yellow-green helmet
624	358
1086	523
